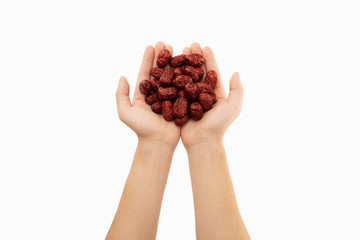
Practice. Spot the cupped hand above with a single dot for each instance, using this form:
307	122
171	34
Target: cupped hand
137	114
214	123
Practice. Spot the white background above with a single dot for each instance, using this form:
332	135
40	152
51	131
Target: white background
293	154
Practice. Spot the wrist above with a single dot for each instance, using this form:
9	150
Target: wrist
205	145
157	142
155	149
202	142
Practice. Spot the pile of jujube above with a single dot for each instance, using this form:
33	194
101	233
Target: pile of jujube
178	89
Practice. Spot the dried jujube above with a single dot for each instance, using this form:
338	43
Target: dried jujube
145	87
205	101
177	90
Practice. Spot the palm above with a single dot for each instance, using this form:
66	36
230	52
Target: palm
215	121
138	115
146	123
211	123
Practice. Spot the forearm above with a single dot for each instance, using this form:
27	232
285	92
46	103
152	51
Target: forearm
216	211
138	212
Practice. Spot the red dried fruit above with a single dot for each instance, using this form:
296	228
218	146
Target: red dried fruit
178	60
155	84
200	72
166	77
196	111
181	121
181	93
191	91
192	72
166	93
211	78
195	59
163	58
181	80
145	87
178	71
206	101
167	110
204	87
213	96
156	107
156	72
178	91
151	98
180	107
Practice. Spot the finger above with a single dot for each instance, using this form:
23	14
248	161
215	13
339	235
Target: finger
122	97
158	47
144	72
236	93
195	48
210	63
170	49
186	51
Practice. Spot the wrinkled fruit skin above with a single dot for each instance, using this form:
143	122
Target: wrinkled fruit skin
178	60
151	98
156	107
195	60
200	72
145	87
205	101
204	87
166	77
178	71
181	80
181	93
191	92
166	93
211	78
180	89
167	110
155	84
180	107
192	72
196	111
213	96
181	121
163	58
156	72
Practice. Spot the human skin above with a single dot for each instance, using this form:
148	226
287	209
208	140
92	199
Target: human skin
216	212
139	208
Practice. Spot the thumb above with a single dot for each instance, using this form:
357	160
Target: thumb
236	92
122	96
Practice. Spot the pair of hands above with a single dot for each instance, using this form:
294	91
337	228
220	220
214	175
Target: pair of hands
154	128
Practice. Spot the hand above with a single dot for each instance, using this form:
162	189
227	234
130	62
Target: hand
214	123
137	114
